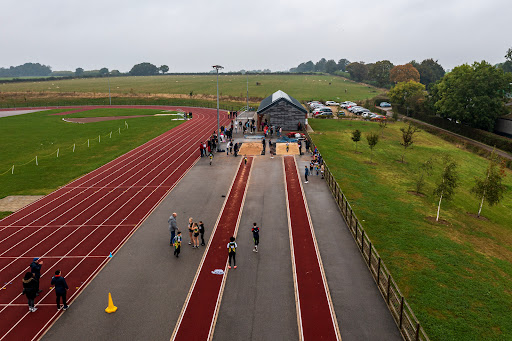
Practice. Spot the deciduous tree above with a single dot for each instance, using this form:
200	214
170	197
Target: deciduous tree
406	95
342	64
164	69
447	182
379	72
472	94
407	137
358	71
79	72
373	139
103	71
430	71
356	136
320	65
424	170
331	66
404	73
144	69
490	187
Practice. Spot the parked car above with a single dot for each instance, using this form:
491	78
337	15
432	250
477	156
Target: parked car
378	118
322	111
296	135
359	111
347	104
354	108
316	105
385	105
331	103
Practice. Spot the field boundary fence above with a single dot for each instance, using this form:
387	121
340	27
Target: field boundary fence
402	313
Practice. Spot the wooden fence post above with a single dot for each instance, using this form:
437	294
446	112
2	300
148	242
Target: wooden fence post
378	275
417	331
362	240
389	287
370	256
401	312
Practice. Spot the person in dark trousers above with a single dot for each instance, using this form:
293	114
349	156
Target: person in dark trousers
61	288
211	158
306	173
35	268
232	251
177	244
255	236
173	226
201	231
30	286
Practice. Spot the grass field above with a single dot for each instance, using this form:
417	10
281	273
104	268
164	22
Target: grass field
232	87
456	277
23	137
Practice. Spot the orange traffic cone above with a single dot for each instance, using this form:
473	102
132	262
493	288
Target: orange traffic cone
111	307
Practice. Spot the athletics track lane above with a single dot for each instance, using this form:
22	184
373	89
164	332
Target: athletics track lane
75	227
203	301
316	316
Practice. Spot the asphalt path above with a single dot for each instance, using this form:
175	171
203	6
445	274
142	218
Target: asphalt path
360	309
259	300
7	113
148	284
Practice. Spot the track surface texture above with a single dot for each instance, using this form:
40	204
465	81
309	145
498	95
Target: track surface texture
316	317
203	301
75	228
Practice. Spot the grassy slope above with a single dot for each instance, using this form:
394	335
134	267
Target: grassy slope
302	87
457	278
25	136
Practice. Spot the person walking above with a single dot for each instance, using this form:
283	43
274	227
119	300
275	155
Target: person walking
201	149
30	286
227	148
201	232
173	226
177	244
190	230
211	157
300	147
255	236
232	251
306	173
322	170
35	269
287	146
245	160
61	288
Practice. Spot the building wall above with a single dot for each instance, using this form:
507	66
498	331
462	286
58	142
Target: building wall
285	115
503	127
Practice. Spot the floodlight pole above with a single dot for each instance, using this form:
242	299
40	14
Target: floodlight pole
247	73
217	67
109	97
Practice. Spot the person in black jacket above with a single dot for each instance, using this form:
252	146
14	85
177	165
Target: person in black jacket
60	289
30	290
35	269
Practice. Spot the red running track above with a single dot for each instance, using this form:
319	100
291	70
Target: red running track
199	313
76	227
315	313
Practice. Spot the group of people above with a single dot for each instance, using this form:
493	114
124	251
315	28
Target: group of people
31	285
316	164
197	229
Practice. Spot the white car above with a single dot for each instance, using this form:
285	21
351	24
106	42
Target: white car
347	104
331	103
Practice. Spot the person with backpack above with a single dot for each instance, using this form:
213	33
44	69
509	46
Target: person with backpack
232	251
30	290
61	288
177	244
35	268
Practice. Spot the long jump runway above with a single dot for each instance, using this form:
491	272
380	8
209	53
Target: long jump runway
77	227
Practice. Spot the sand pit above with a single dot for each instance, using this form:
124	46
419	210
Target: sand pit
251	148
293	150
15	202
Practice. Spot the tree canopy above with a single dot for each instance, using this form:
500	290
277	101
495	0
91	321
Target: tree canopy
472	94
144	69
406	95
331	66
25	70
358	71
404	73
380	72
430	71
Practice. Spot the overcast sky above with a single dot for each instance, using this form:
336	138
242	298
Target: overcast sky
192	35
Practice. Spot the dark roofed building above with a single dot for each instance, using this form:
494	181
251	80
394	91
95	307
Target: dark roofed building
281	109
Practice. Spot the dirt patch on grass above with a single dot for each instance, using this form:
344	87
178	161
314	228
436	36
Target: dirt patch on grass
439	222
476	216
416	194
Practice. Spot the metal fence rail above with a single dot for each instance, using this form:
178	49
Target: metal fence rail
402	313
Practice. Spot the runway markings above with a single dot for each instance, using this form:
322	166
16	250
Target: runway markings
315	312
204	297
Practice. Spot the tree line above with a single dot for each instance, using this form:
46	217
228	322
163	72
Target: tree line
26	70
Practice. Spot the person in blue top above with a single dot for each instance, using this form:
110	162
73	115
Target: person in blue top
232	251
306	173
61	288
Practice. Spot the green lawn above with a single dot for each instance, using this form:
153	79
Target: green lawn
25	136
456	277
302	87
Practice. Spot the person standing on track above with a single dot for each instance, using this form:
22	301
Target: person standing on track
60	289
173	226
201	231
177	244
306	173
232	251
195	238
30	290
255	236
190	230
35	268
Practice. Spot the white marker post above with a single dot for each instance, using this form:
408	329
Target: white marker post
119	130
87	143
99	138
36	162
12	169
110	134
58	149
74	145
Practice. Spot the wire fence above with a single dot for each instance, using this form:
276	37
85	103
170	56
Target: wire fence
402	313
71	148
